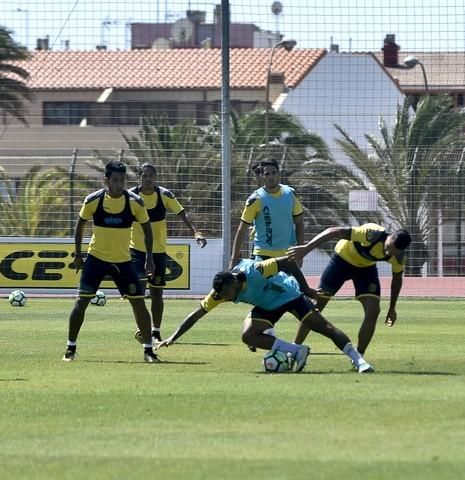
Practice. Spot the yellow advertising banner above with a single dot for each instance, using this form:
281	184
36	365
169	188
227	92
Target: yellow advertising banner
47	265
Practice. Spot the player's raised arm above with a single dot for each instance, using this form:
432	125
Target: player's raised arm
186	325
300	251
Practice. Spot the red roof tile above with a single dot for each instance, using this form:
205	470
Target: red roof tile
165	69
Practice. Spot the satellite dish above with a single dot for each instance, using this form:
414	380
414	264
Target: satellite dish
182	30
276	8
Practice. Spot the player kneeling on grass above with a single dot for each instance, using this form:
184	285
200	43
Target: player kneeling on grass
272	293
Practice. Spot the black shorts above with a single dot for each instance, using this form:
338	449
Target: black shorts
338	271
299	307
123	274
159	259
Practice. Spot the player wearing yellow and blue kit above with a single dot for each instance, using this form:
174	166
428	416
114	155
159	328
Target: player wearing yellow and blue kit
158	201
277	215
272	292
354	258
113	210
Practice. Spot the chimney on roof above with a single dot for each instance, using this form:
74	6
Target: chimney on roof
101	48
42	43
217	15
390	51
334	48
196	16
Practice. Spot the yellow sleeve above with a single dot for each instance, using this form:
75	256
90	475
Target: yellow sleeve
298	209
139	211
398	263
211	301
88	209
268	268
251	209
172	204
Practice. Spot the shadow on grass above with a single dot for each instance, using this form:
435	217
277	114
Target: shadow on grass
171	362
400	372
205	344
14	379
377	373
162	362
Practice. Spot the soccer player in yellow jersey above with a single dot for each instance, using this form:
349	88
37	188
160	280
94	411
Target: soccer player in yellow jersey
113	210
355	257
272	294
157	200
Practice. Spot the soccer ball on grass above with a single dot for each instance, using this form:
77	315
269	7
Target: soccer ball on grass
100	299
17	298
276	361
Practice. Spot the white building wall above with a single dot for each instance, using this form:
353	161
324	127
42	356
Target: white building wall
351	90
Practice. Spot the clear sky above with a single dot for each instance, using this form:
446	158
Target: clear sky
421	25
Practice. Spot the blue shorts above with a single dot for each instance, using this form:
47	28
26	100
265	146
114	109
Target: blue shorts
123	274
159	259
299	307
338	271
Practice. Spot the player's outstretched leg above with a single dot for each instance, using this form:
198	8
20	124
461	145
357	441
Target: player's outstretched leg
315	321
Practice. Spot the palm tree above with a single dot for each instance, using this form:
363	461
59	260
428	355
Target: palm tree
37	205
409	165
13	90
306	163
186	163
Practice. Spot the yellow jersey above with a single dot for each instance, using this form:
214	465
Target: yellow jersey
157	203
113	218
366	247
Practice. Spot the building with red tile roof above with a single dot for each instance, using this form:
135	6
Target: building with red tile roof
84	98
177	69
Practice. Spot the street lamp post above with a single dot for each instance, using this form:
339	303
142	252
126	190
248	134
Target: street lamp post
288	45
26	24
412	62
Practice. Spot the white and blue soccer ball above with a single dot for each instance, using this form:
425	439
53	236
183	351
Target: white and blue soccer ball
276	361
17	298
100	299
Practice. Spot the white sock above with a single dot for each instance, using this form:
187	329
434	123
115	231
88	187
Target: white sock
285	347
354	354
270	331
69	343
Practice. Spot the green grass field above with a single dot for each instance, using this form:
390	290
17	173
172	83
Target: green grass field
208	412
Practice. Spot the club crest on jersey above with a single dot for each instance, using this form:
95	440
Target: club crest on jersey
372	235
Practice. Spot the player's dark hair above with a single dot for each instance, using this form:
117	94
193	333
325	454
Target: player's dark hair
114	166
256	168
401	239
148	165
221	279
269	163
